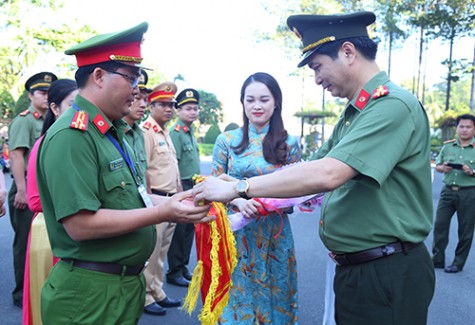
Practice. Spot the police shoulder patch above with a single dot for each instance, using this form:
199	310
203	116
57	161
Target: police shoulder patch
177	128
380	91
80	121
147	125
25	112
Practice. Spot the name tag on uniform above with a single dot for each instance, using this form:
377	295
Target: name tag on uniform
116	164
145	198
161	143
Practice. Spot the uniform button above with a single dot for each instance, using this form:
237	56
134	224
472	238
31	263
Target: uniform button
122	184
347	123
321	222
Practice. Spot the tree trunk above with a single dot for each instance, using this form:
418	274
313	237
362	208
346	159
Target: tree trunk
390	47
449	75
472	88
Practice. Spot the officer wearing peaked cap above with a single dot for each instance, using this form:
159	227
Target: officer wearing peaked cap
375	166
99	217
164	177
188	156
22	133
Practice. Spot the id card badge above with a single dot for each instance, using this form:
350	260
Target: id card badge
145	198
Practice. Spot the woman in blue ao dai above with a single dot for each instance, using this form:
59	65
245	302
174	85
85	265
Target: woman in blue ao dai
264	282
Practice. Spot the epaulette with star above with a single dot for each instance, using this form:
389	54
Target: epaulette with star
80	121
449	141
177	128
380	91
25	112
147	125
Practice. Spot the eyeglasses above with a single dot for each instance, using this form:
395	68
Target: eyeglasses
133	79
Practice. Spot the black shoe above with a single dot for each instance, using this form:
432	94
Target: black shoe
438	265
187	275
180	281
18	303
155	309
169	302
453	269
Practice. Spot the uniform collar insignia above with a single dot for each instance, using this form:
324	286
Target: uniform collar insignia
185	128
147	125
380	92
362	99
36	115
155	128
101	123
80	121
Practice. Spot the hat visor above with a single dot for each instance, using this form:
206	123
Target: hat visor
307	56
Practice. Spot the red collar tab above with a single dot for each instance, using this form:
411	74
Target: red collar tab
380	92
101	123
177	128
36	115
185	128
362	99
155	128
147	125
80	121
25	112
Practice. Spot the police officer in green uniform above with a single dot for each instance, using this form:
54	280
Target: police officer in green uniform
457	161
23	132
375	170
188	156
133	132
99	217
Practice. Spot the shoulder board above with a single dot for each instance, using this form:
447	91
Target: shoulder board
80	121
25	112
147	125
177	128
362	99
380	91
449	141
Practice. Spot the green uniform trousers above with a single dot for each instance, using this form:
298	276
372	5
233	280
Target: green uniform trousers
21	223
180	248
72	295
462	202
392	290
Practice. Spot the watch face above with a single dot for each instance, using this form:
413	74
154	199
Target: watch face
241	186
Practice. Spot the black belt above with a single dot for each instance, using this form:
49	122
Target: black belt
459	188
372	254
162	193
111	268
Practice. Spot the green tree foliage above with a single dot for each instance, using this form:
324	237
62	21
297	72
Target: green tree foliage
24	42
211	110
231	126
22	103
212	134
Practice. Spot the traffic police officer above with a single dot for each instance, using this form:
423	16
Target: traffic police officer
188	156
100	220
23	132
457	161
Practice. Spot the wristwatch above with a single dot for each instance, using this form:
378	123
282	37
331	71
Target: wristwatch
241	187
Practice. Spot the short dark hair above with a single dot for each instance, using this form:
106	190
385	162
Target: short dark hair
363	44
82	73
465	117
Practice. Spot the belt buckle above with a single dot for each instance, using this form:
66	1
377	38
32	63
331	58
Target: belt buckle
454	187
334	258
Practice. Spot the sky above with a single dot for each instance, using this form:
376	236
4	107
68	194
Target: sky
212	44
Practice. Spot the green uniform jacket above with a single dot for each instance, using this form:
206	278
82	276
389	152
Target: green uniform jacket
24	130
384	134
187	151
79	168
134	137
455	153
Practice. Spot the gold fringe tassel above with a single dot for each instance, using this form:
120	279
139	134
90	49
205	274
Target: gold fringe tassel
189	304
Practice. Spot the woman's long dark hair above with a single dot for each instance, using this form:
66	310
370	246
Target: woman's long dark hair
274	146
58	91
